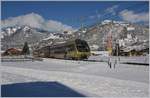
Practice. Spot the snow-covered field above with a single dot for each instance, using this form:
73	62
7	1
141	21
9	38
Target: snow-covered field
88	78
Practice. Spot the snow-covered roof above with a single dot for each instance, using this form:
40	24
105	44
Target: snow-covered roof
51	37
135	47
130	28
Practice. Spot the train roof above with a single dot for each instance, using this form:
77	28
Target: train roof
67	42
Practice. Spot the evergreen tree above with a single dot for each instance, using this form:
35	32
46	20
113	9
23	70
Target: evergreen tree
25	49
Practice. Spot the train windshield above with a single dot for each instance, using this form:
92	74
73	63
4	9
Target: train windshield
82	46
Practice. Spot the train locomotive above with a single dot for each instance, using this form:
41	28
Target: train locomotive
75	49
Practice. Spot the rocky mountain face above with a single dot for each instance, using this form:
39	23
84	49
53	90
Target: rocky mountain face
125	34
17	36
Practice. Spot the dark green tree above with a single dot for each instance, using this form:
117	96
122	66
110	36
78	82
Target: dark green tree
25	49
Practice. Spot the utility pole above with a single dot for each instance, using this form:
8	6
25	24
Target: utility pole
98	19
109	43
117	49
98	28
81	24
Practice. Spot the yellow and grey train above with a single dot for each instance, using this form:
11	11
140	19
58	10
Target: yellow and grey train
75	49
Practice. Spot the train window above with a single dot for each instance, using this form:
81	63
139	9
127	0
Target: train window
70	47
82	46
63	49
59	50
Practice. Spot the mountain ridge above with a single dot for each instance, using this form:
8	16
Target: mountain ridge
96	35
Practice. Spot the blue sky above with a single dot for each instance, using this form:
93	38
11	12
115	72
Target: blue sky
73	13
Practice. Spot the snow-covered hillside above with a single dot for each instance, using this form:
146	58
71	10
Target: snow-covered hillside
126	34
17	35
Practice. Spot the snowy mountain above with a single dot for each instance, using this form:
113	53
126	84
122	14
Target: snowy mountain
17	35
126	34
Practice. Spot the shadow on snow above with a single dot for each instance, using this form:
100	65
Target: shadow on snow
38	89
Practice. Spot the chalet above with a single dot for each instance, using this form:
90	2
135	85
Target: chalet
12	51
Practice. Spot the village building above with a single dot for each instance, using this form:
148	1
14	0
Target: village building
12	51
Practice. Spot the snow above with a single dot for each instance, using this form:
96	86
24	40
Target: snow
9	31
2	34
102	53
69	32
14	29
129	36
51	37
117	23
84	31
121	42
130	28
94	47
26	28
134	47
106	22
88	78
